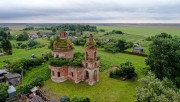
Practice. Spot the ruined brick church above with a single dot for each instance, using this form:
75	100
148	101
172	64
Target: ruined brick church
63	48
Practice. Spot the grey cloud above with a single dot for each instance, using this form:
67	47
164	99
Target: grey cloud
94	11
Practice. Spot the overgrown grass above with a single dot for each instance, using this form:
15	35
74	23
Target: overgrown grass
22	53
108	89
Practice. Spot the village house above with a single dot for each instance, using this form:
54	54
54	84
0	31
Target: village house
137	48
13	78
89	73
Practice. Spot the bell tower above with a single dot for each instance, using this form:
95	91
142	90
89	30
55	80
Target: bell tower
91	62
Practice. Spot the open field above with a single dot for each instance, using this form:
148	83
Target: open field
108	89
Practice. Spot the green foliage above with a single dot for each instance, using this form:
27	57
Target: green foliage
155	90
80	99
111	47
162	35
3	91
58	62
164	58
80	41
7	47
32	43
126	70
26	64
115	46
26	88
22	37
117	32
29	28
102	30
75	27
76	61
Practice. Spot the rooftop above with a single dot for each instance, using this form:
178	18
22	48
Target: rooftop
12	75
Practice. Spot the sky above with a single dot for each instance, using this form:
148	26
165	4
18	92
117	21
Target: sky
89	11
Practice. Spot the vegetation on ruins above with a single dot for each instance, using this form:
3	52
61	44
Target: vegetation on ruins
76	61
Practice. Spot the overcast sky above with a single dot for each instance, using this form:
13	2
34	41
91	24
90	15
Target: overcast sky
89	11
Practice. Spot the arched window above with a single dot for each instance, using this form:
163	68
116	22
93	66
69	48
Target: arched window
94	54
87	55
86	64
53	73
59	74
72	74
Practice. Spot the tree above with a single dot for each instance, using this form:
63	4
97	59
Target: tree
22	37
32	43
3	91
54	30
155	90
121	45
7	47
126	70
164	58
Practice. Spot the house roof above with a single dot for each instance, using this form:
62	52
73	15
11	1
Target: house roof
12	75
11	89
3	71
36	98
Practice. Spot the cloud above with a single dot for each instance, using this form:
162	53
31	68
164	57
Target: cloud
89	11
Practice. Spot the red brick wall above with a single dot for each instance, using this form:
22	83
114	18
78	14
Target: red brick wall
67	54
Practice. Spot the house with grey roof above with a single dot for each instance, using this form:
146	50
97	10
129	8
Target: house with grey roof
13	78
137	48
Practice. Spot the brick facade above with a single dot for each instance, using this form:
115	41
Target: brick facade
88	73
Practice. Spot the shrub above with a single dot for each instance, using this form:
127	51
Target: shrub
32	43
23	46
117	32
76	61
3	91
27	88
22	37
126	70
26	64
80	99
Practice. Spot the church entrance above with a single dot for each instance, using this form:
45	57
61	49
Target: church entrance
86	75
95	75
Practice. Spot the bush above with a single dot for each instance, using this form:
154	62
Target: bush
27	88
22	37
80	99
76	61
32	43
23	46
3	91
126	70
117	32
26	64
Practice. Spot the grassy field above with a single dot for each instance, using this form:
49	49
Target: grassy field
108	89
22	53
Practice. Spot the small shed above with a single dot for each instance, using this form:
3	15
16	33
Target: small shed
11	91
13	78
2	78
137	48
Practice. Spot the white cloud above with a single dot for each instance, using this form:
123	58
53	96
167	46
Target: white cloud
89	11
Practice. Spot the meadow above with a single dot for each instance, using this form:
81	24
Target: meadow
108	89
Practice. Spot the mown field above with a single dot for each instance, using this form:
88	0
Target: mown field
108	89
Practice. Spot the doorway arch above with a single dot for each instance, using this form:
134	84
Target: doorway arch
86	76
95	75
